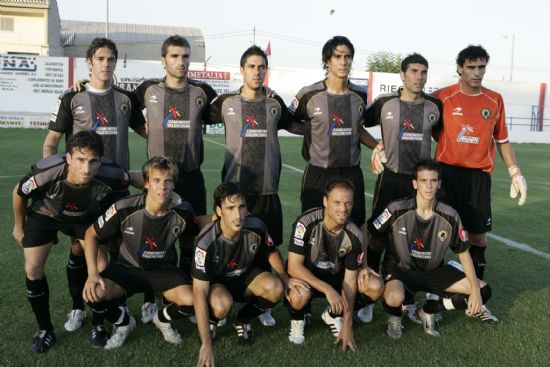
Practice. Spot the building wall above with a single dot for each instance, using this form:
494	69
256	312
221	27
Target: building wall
29	34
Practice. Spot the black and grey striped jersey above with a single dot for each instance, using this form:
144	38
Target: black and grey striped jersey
174	120
148	242
332	123
417	243
56	198
109	114
252	156
326	253
217	258
407	128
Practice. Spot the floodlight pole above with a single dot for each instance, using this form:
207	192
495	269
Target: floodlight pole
107	21
513	37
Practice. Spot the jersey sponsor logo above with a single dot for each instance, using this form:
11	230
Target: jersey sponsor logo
249	129
317	111
323	263
336	128
416	247
153	99
234	273
442	235
100	120
149	248
457	111
382	218
200	257
110	212
462	234
406	134
485	113
100	123
171	120
129	230
389	116
71	210
231	264
463	136
300	231
29	186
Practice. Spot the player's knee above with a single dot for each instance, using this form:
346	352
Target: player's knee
374	288
184	296
298	300
394	298
76	248
273	289
34	271
221	305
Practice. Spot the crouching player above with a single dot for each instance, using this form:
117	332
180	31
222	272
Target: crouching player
326	251
149	225
421	229
225	270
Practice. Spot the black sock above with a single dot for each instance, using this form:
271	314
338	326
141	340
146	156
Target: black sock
486	293
253	309
97	318
435	306
109	310
38	294
374	258
394	311
76	276
478	258
149	296
362	300
175	312
409	297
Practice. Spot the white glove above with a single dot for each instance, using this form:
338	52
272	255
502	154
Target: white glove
519	185
378	158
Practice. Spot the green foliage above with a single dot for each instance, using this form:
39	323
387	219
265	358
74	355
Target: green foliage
385	62
520	294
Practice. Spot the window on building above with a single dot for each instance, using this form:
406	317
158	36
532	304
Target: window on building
6	24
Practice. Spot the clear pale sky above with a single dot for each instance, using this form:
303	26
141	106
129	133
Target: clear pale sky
298	29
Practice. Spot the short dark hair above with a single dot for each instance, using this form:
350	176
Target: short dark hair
330	46
174	40
224	191
414	58
253	51
85	140
426	165
98	43
339	183
472	53
160	163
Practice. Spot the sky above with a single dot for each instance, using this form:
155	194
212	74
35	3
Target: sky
297	30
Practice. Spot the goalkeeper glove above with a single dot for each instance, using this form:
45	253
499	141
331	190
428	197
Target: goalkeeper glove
378	158
519	185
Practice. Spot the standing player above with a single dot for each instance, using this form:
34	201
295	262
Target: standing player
332	111
224	270
109	111
67	192
408	119
149	225
253	156
421	229
176	108
326	251
474	122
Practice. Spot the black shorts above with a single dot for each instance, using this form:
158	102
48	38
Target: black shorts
237	286
134	280
468	191
41	230
432	281
316	179
390	186
267	207
190	186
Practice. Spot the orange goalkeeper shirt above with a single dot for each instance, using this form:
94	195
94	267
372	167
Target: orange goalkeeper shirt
471	126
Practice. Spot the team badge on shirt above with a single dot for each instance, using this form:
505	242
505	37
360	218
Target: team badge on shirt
432	117
29	186
300	231
442	235
485	113
110	212
200	257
